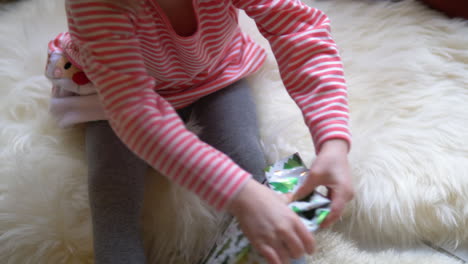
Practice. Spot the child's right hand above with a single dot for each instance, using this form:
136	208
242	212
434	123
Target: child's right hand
272	228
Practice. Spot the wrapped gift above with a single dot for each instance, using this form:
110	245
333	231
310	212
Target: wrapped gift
284	176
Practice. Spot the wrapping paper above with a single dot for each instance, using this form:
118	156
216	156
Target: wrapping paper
284	176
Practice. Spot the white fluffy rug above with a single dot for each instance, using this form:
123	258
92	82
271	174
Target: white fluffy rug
406	67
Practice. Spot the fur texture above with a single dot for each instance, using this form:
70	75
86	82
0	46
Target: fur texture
406	68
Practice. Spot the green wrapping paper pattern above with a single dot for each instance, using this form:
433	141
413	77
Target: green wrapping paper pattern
284	176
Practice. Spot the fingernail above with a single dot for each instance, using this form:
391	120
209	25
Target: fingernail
300	260
294	197
311	250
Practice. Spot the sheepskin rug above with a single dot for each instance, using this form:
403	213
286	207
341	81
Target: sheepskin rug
407	69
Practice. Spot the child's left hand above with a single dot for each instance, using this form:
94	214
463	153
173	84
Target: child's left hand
330	169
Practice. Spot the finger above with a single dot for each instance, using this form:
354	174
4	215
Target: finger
293	244
306	188
269	254
306	237
338	202
282	252
286	197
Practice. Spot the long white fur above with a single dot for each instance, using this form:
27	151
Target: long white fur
406	67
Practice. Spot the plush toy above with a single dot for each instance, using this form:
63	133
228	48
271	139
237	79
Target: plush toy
67	79
73	97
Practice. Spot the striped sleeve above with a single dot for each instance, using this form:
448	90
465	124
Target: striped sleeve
308	61
142	119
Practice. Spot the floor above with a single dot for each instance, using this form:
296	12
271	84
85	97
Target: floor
461	253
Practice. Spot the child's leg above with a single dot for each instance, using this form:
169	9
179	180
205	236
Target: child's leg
229	124
116	185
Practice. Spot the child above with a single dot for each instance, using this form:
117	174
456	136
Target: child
152	64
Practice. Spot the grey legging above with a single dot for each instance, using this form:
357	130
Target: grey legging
116	175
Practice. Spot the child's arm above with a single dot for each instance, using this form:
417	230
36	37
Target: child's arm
311	69
308	61
142	119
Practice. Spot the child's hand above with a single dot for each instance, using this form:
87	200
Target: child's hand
330	169
273	229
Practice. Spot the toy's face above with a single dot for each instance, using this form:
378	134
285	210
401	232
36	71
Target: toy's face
65	69
67	79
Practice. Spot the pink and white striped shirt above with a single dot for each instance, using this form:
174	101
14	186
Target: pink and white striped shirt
143	70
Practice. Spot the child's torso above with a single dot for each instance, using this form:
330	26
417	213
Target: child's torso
181	15
183	40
